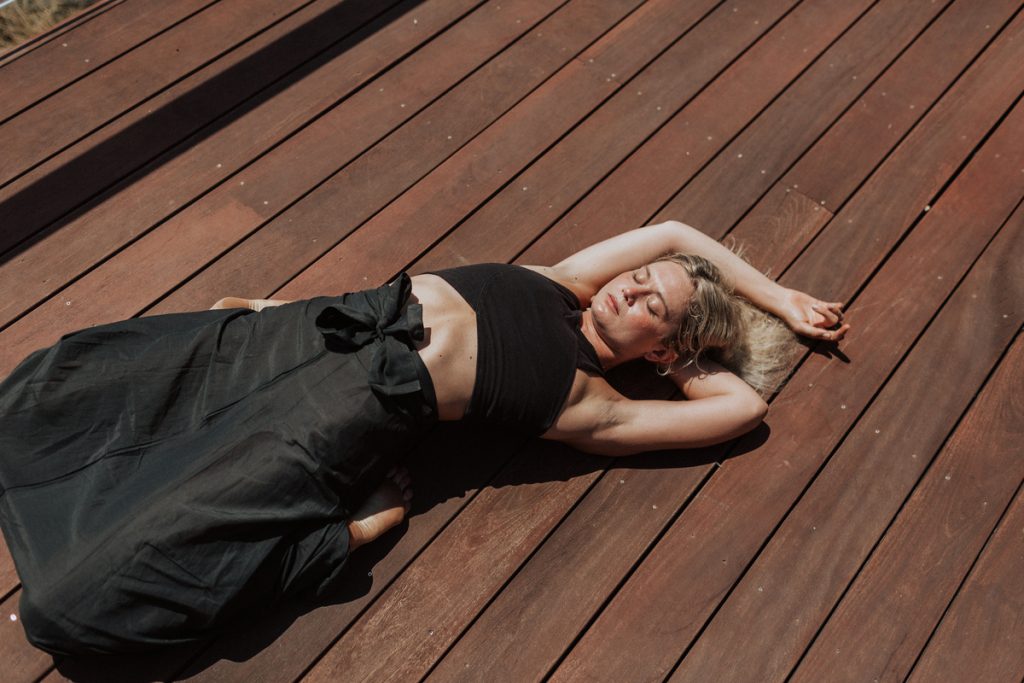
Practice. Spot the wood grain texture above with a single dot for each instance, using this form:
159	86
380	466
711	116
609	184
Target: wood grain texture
790	126
58	121
400	233
21	661
711	543
811	559
680	150
297	237
206	228
526	206
979	637
38	203
50	67
886	616
161	188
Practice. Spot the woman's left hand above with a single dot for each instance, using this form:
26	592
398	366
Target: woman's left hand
812	317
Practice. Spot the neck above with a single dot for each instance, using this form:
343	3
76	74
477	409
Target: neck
609	359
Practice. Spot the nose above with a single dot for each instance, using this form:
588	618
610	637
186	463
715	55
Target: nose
632	294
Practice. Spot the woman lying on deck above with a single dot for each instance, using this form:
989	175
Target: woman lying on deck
164	475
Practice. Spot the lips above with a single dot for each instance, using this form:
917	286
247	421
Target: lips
613	304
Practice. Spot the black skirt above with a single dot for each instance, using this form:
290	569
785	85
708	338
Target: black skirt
162	476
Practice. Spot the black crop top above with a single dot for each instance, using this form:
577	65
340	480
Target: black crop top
529	344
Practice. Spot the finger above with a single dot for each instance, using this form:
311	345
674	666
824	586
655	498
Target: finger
829	317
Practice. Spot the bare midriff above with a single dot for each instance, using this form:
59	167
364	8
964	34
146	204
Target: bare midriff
449	347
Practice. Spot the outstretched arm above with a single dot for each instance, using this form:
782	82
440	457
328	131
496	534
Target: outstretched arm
720	406
586	271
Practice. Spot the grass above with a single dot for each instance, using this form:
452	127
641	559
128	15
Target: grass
25	19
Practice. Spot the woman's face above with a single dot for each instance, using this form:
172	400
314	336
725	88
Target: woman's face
636	310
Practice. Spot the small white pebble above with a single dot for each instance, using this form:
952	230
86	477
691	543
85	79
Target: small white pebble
430	632
220	165
14	617
947	477
415	21
67	303
763	171
62	45
760	589
823	202
265	202
927	207
87	61
622	481
654	507
795	186
843	406
938	277
913	456
659	108
402	105
878	431
380	90
242	182
525	188
738	156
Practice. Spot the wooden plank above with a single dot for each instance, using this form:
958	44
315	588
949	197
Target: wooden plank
21	661
214	95
798	578
159	190
979	637
121	289
464	182
12	53
271	256
501	228
713	540
64	118
651	176
886	616
918	78
90	46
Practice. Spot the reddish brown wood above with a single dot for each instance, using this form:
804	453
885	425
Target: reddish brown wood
271	256
21	661
58	121
801	574
979	637
467	179
248	199
885	618
411	625
11	54
216	95
714	539
161	188
835	83
511	220
49	67
651	176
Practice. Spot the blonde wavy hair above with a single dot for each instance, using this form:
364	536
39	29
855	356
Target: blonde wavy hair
722	326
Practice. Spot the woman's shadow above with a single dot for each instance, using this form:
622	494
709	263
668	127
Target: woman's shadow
447	469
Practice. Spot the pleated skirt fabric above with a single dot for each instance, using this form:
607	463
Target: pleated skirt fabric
161	477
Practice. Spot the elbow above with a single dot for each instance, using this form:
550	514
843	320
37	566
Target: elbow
755	409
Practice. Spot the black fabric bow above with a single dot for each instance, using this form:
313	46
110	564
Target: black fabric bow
376	315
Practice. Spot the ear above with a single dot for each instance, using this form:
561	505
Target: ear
661	354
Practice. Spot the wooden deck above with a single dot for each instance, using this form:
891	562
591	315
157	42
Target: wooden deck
155	156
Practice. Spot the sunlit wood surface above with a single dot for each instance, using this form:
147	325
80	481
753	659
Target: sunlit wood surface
157	156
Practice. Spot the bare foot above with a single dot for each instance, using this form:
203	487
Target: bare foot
385	508
251	304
